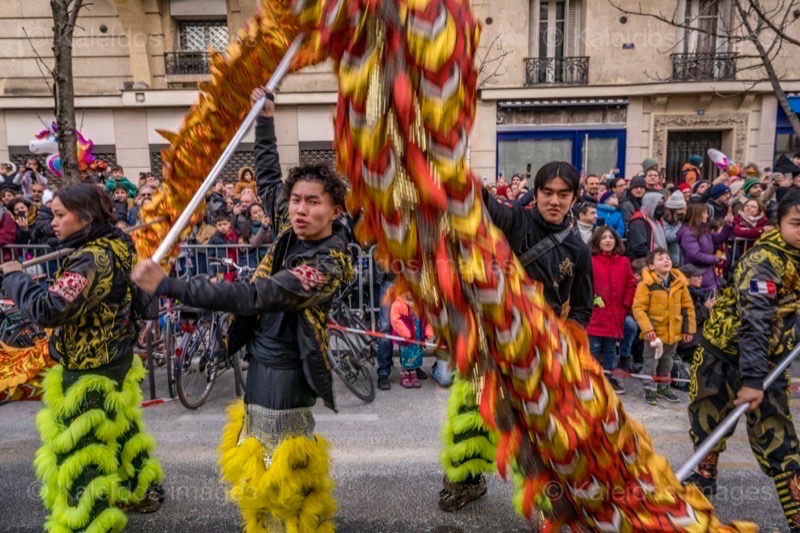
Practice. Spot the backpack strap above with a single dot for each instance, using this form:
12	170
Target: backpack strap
543	246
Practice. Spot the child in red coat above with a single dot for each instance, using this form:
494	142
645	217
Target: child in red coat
749	224
408	325
614	288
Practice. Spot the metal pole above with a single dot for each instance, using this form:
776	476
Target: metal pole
730	421
183	220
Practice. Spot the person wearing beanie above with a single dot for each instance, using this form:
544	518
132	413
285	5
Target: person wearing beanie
718	197
691	172
686	191
631	200
675	210
646	228
608	213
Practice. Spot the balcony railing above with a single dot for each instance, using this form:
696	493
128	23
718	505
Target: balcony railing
704	67
557	70
187	62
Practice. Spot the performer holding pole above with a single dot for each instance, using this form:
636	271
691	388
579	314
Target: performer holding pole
95	461
276	466
752	327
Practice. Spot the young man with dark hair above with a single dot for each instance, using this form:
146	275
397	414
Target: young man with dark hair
546	244
281	318
751	328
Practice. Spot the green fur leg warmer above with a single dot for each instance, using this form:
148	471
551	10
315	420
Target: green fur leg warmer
95	454
469	446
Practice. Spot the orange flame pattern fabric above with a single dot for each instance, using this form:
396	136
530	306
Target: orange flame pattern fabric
407	96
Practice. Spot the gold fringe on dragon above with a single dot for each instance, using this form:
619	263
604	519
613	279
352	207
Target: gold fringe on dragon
407	96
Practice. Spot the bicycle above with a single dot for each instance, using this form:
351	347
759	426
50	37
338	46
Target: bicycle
201	355
351	355
16	330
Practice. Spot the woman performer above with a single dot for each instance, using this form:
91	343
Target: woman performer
95	462
276	466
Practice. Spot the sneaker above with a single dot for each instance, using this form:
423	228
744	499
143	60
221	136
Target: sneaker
421	375
414	380
383	383
454	496
405	380
707	485
650	397
667	394
617	386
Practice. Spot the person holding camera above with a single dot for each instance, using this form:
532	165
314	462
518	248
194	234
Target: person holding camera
32	173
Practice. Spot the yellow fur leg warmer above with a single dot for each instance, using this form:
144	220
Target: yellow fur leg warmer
295	493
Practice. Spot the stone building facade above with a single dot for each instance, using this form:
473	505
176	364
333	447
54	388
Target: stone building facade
578	81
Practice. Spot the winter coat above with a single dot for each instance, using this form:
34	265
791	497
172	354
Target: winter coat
752	325
8	233
26	178
241	184
690	174
674	247
720	211
403	318
89	304
668	312
744	229
42	227
629	205
614	284
700	252
611	217
565	271
701	313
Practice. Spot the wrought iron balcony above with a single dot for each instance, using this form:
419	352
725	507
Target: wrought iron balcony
557	71
704	67
187	62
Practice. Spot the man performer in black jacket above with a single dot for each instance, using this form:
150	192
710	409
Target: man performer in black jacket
546	244
281	317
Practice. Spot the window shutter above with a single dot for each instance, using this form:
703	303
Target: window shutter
573	26
533	28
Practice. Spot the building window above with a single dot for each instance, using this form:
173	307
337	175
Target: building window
705	47
199	35
554	44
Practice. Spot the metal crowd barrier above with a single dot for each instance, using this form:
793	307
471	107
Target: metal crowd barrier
195	259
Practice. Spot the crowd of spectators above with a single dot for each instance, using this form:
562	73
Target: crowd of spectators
234	214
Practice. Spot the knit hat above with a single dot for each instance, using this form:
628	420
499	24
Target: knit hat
736	186
12	166
606	195
683	187
697	185
695	160
647	164
749	184
718	190
676	201
690	270
637	181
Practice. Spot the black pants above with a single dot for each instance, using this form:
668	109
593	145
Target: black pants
275	388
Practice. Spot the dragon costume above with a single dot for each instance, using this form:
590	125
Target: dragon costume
407	96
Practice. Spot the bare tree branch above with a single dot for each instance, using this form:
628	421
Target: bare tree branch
486	61
768	21
40	63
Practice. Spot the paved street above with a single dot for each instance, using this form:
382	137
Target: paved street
385	465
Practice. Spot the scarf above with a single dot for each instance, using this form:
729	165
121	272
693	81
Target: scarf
90	233
751	221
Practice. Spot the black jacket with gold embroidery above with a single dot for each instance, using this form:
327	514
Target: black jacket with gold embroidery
755	318
304	284
88	304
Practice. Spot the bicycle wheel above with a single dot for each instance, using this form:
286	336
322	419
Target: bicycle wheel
350	365
239	368
195	369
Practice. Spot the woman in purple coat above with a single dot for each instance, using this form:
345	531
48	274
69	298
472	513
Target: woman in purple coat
699	243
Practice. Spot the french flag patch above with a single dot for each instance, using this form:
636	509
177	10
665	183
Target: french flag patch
767	288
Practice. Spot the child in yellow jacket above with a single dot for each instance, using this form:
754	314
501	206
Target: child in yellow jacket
664	310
